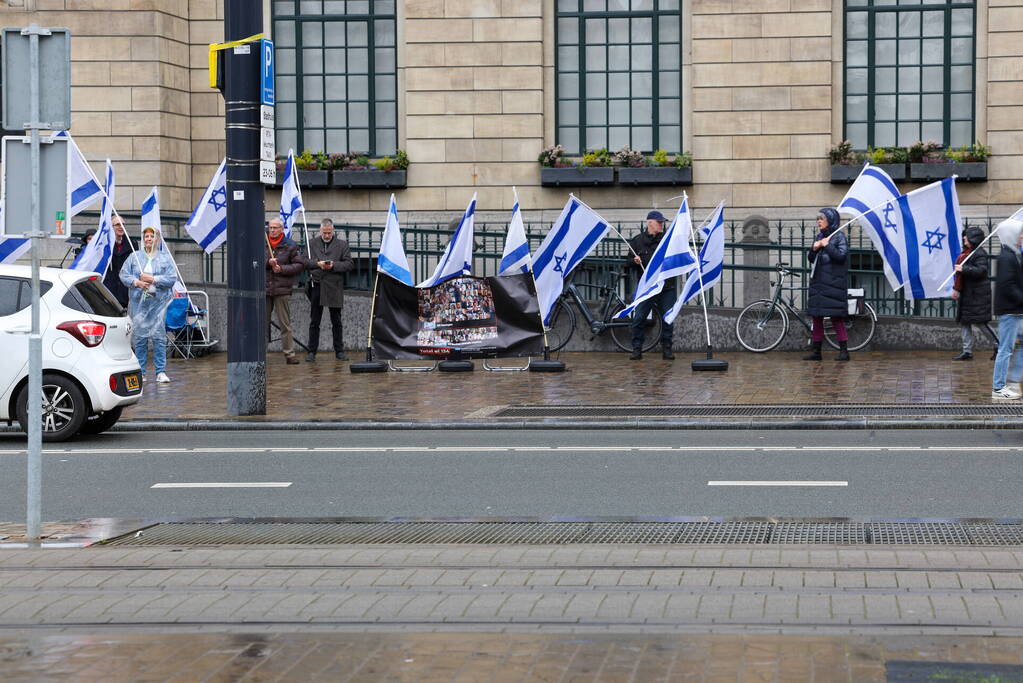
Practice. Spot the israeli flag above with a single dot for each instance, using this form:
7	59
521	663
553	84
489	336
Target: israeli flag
291	195
515	259
12	248
151	219
95	256
457	258
82	184
208	223
873	200
712	262
391	259
931	228
673	257
572	237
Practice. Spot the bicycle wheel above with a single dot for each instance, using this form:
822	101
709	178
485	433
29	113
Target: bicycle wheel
560	325
622	334
761	326
859	327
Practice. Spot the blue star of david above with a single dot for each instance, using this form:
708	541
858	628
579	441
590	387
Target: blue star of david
888	221
703	264
558	260
936	237
218	205
285	215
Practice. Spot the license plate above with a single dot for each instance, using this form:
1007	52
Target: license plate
131	382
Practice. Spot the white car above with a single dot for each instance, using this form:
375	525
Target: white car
89	370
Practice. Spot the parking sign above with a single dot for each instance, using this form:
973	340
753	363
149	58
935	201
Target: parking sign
266	71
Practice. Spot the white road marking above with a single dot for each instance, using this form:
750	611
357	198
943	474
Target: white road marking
223	485
527	449
777	483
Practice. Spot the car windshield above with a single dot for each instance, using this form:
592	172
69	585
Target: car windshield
90	296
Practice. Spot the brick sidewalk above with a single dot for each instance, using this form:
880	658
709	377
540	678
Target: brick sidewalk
487	657
326	390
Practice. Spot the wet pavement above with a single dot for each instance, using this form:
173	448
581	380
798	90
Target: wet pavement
502	657
326	390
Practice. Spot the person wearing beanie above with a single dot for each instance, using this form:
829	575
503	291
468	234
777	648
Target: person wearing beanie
643	247
829	274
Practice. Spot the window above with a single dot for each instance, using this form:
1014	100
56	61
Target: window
90	296
16	294
618	72
336	76
909	72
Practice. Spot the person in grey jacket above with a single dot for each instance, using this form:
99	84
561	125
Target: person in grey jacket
330	258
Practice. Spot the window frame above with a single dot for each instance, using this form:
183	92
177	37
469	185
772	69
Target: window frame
581	15
371	100
872	9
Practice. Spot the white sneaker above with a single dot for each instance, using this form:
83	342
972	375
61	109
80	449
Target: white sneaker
1015	387
1006	393
162	378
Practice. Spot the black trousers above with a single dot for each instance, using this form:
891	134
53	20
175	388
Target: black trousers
316	315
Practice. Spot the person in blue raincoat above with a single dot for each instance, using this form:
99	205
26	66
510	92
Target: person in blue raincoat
149	275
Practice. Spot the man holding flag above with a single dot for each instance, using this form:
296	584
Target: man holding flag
672	255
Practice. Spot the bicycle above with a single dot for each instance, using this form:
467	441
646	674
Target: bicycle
763	324
562	321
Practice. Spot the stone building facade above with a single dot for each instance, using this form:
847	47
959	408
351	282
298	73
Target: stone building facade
760	91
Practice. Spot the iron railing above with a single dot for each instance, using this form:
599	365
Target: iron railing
749	263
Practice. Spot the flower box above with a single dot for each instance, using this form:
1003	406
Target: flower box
655	175
968	172
369	179
577	175
313	178
847	173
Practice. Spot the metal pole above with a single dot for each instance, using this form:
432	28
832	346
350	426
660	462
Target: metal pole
33	483
246	277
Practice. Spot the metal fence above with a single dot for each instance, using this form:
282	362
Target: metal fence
750	260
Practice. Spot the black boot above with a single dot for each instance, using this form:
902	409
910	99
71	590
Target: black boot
965	355
637	354
843	351
666	353
815	354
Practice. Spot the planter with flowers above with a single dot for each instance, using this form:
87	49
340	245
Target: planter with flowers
313	169
636	169
355	171
847	164
595	168
929	162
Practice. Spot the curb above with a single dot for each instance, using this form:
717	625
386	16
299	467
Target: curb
682	424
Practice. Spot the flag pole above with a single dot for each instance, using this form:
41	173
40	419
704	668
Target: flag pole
622	237
708	363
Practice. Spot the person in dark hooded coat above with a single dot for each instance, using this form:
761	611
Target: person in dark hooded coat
829	274
972	290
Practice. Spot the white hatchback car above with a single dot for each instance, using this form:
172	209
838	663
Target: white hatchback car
89	370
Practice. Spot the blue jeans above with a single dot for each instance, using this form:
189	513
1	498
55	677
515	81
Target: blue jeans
1009	326
661	304
159	352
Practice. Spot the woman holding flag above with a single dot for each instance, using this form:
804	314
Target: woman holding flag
829	273
150	276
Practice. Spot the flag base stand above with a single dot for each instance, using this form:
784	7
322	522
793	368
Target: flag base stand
456	366
368	365
710	363
546	365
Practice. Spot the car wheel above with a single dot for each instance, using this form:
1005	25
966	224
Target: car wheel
97	424
64	408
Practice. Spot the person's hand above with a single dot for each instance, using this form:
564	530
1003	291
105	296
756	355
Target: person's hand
147	278
276	268
955	294
959	267
638	261
818	245
142	284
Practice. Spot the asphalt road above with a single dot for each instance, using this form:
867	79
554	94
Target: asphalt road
854	473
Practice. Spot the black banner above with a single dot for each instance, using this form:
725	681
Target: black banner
465	317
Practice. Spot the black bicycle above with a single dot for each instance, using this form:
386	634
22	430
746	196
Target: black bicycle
763	324
562	322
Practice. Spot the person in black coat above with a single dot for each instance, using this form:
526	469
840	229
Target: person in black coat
642	248
829	273
971	289
1009	309
120	251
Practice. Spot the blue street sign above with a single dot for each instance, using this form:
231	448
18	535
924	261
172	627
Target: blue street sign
266	71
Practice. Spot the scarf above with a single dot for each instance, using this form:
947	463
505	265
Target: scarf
275	242
957	283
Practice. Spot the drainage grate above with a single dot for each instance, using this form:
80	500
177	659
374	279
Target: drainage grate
764	410
561	533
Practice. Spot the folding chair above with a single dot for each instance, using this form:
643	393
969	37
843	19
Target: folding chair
176	324
188	325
